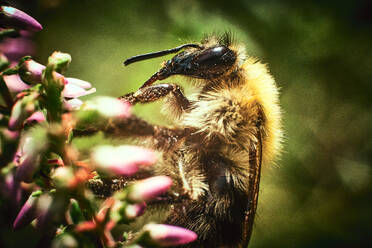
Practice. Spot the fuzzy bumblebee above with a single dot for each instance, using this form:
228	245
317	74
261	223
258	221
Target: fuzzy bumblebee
220	137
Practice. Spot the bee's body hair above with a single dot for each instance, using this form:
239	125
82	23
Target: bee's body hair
219	137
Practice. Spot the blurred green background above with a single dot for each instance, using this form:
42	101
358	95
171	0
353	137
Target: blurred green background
320	52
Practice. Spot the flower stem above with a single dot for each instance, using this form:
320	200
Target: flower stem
5	93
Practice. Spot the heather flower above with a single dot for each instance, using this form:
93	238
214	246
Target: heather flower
149	188
122	160
73	89
12	17
123	212
12	190
22	110
167	235
36	117
133	211
31	72
107	107
15	49
27	214
32	149
15	83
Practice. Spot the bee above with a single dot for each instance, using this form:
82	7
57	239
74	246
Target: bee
220	138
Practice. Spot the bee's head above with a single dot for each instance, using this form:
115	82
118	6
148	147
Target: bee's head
205	61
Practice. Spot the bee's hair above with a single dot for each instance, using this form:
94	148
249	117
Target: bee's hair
226	38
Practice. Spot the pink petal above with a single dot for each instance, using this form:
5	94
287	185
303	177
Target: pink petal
36	117
13	17
27	214
78	82
149	188
167	235
72	104
122	160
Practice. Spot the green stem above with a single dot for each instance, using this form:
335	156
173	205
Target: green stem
5	93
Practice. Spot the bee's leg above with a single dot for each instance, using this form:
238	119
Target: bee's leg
160	137
155	92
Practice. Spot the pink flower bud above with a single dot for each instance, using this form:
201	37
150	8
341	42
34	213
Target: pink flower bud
73	91
12	17
27	214
121	160
108	107
78	82
36	117
21	110
15	83
31	72
135	210
32	148
149	188
166	235
72	104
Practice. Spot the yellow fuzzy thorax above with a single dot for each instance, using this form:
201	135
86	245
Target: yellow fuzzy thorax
252	88
262	88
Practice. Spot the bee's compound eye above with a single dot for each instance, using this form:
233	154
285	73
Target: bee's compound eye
212	56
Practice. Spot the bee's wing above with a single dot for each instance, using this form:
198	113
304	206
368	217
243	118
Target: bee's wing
255	159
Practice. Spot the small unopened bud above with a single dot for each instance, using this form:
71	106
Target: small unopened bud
135	210
123	213
122	160
167	235
101	108
30	71
32	149
149	188
36	117
72	104
27	214
12	17
22	109
73	91
60	61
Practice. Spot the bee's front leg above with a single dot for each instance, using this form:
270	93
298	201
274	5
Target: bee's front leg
155	92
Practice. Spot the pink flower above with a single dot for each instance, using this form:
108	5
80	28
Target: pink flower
166	235
16	48
108	107
134	210
122	160
31	72
36	117
76	88
27	214
31	150
12	17
149	188
15	83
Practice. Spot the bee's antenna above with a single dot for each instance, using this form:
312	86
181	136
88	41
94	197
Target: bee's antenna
158	54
